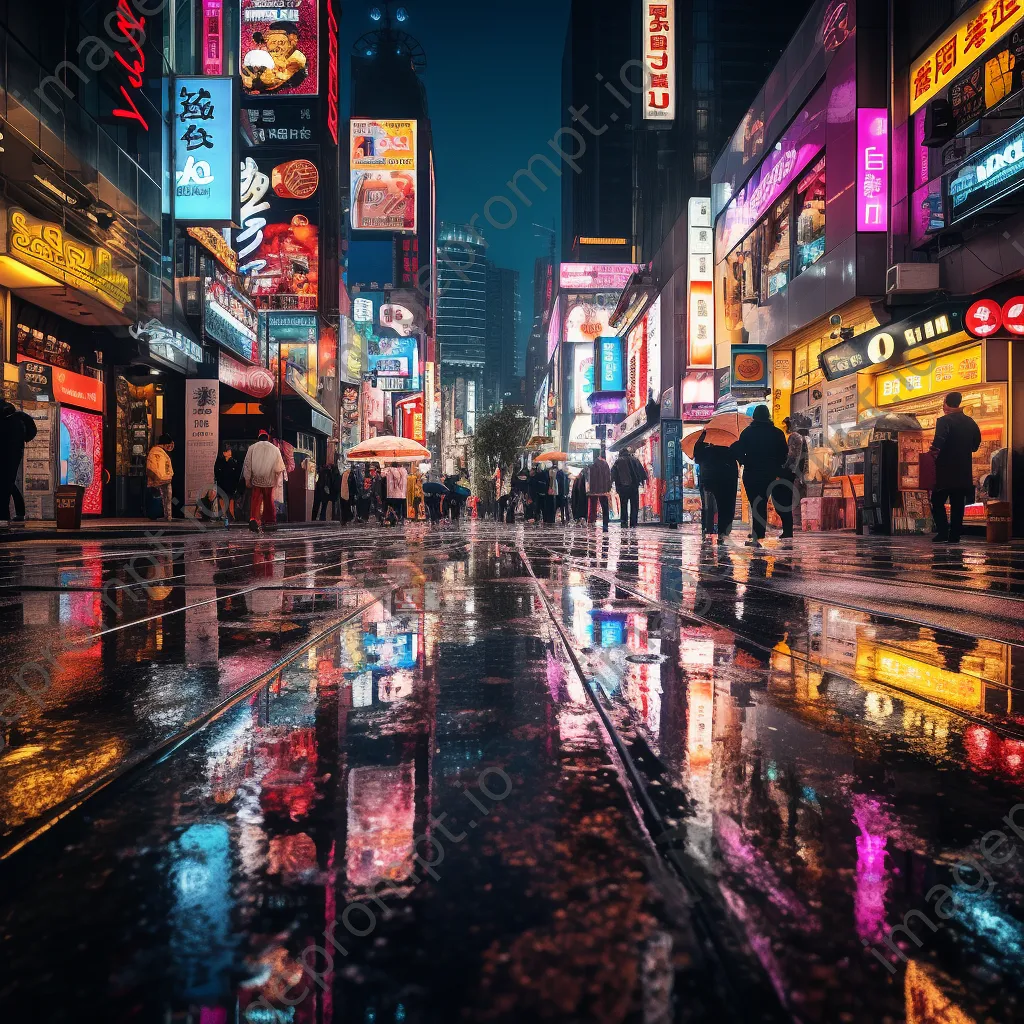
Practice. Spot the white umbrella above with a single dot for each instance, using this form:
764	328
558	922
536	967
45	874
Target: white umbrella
388	448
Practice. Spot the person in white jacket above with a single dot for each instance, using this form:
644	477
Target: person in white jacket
262	470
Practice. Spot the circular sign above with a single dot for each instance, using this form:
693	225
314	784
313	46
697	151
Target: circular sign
983	318
1013	315
881	348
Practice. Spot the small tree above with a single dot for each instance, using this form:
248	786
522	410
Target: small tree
499	439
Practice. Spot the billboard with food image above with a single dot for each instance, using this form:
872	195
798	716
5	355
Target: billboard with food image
278	244
382	162
279	47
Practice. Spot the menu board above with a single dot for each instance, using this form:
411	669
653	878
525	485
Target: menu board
912	443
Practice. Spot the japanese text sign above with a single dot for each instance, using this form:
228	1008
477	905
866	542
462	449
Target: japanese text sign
206	183
982	25
700	313
872	169
658	34
933	376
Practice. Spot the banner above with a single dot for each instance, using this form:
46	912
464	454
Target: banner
382	164
201	437
279	48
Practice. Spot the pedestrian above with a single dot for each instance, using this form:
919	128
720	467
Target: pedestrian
561	493
578	498
628	475
718	478
457	493
519	494
762	449
796	465
397	478
551	500
376	489
414	492
599	485
227	472
345	495
957	438
16	429
262	470
160	472
324	492
538	493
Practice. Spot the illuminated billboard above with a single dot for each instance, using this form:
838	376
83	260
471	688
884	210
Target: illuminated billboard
205	126
278	244
382	163
279	47
595	276
700	314
659	29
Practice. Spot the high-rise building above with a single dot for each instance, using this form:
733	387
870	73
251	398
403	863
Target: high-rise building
536	349
503	320
461	322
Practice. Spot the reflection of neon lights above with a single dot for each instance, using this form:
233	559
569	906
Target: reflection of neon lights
872	879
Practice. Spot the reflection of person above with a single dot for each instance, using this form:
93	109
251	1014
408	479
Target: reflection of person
287	61
762	449
160	472
263	469
957	438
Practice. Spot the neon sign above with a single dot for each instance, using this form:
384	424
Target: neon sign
127	24
872	169
332	73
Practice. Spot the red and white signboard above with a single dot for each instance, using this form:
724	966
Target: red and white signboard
659	26
700	317
983	318
1013	315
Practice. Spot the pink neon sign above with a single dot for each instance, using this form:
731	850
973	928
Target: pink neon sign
213	37
872	169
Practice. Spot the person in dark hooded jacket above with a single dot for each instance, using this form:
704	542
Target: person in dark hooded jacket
580	503
16	428
762	449
718	478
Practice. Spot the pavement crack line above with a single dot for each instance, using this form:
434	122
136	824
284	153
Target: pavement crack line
733	991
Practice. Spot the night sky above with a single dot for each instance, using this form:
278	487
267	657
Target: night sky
493	83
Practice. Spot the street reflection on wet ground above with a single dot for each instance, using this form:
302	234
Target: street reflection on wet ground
404	802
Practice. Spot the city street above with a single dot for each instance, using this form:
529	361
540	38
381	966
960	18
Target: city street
510	774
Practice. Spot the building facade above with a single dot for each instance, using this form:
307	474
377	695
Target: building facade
503	324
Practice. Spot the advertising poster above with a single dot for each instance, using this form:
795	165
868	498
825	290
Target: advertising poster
81	455
230	321
37	483
205	168
279	47
202	436
351	352
653	320
582	378
586	317
348	428
749	368
382	164
278	244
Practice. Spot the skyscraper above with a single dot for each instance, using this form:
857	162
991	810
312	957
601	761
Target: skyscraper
461	326
503	320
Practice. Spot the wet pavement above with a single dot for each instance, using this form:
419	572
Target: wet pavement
501	775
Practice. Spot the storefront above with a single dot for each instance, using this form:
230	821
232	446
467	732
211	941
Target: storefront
905	369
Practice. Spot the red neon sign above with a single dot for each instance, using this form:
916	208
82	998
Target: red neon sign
332	73
127	24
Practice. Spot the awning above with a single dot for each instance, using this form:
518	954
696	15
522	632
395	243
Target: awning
639	293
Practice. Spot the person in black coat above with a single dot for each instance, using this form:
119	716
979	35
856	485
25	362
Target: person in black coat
957	438
227	472
762	449
718	477
579	501
16	427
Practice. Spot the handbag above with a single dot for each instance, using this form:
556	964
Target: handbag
926	471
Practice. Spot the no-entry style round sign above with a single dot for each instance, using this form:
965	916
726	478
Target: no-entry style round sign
1013	315
983	318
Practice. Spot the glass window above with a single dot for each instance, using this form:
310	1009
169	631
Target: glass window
775	260
810	218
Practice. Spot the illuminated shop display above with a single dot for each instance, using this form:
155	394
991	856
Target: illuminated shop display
80	450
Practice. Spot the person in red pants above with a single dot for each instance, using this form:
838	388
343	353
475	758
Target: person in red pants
262	471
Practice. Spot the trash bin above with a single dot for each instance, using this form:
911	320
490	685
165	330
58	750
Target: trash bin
997	522
68	503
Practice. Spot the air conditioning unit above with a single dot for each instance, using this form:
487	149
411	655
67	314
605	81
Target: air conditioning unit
912	278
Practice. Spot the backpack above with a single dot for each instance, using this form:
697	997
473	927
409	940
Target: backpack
637	470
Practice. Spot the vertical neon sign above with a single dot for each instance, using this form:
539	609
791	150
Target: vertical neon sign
872	169
213	37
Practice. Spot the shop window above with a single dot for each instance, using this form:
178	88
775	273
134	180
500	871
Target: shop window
810	218
776	254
